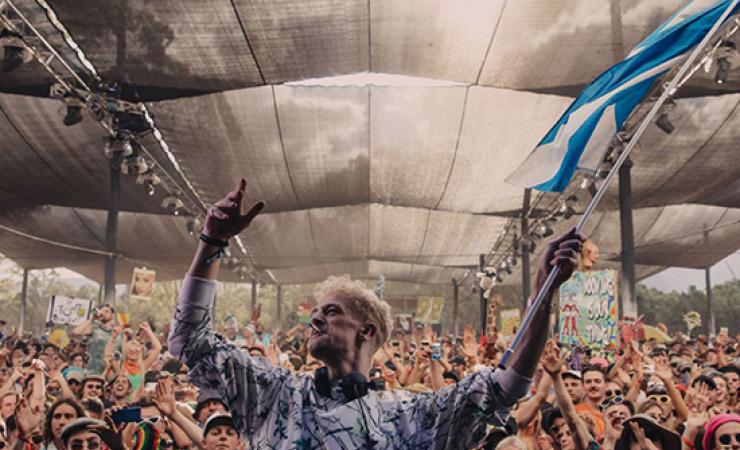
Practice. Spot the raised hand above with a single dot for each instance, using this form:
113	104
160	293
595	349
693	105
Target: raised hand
164	397
551	361
25	419
225	220
643	442
563	253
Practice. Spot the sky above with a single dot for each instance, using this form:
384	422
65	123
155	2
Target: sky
680	279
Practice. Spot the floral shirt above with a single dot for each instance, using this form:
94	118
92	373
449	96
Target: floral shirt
278	409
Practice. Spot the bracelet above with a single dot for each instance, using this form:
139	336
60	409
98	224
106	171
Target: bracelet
687	442
213	241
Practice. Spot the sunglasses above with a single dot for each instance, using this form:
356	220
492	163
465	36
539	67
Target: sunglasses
660	398
73	382
152	419
614	393
617	400
95	386
726	439
91	444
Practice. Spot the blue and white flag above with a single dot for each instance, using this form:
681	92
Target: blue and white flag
583	133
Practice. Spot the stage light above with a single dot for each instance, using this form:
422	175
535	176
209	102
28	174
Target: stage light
241	271
511	260
545	230
566	209
134	165
194	225
116	144
173	204
14	51
148	180
665	124
504	266
73	116
723	70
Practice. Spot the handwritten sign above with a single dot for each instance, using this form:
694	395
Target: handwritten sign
68	311
588	309
429	309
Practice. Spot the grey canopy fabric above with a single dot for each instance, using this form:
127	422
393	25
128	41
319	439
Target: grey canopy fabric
405	181
167	49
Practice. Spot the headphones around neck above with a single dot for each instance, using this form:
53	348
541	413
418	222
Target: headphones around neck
354	385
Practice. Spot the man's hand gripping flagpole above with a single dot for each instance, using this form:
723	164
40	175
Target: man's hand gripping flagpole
555	273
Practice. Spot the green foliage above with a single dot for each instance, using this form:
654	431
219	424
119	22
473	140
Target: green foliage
235	299
669	308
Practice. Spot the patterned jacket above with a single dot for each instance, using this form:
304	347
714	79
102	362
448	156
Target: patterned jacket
278	409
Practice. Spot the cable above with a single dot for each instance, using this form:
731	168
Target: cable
56	243
370	441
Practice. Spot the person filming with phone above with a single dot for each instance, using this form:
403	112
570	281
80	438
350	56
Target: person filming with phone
100	329
335	407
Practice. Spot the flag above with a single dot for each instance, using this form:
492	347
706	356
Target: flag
583	133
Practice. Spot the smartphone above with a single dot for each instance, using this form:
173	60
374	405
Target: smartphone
395	344
724	331
125	415
424	343
376	379
436	353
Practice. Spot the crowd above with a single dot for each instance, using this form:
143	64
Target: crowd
119	388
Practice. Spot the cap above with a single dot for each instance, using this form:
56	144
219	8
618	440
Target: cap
572	373
549	417
218	419
203	397
90	377
74	375
78	425
457	360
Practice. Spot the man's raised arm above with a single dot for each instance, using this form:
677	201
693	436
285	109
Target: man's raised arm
191	328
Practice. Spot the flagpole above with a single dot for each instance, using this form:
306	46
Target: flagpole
539	298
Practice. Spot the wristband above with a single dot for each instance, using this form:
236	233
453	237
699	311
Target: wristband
213	241
687	442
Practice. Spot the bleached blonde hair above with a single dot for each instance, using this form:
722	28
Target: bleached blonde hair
362	303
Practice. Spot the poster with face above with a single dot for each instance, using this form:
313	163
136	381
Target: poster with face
142	283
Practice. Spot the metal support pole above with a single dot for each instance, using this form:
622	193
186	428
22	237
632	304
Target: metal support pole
254	297
111	228
24	299
279	304
710	310
628	300
526	281
481	297
455	301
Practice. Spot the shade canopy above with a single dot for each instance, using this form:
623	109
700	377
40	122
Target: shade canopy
400	179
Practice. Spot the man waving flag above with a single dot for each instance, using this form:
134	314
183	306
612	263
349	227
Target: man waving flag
580	137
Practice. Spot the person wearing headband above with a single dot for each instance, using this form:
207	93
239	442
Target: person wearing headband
336	408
